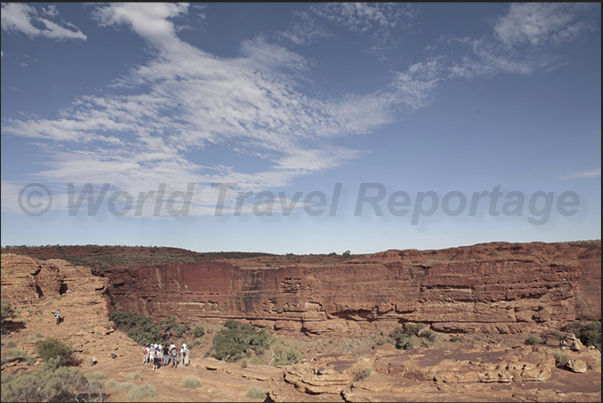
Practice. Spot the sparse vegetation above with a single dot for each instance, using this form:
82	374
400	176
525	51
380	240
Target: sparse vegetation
53	348
362	371
255	393
282	357
533	340
7	313
198	331
14	353
402	335
51	383
96	376
190	382
119	386
589	334
142	392
133	376
561	357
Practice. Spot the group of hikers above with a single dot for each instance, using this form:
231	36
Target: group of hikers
164	355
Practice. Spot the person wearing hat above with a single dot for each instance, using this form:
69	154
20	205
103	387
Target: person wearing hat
184	355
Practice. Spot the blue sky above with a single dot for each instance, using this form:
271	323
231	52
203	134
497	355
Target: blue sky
428	103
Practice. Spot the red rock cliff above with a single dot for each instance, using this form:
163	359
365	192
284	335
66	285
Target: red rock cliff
496	287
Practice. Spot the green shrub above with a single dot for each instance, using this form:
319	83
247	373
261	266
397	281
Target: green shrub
362	371
190	382
255	393
133	376
21	354
236	340
401	336
119	386
198	331
142	392
96	376
39	335
244	364
289	357
533	340
47	384
590	334
256	361
429	335
7	313
455	339
53	348
141	329
561	357
10	344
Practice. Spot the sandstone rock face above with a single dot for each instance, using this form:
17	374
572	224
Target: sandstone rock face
489	288
38	288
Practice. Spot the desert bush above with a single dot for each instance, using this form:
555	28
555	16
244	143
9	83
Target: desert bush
190	382
590	334
282	357
198	331
47	384
133	376
380	340
142	392
96	376
171	329
255	393
10	344
141	329
39	335
22	354
7	313
244	364
401	337
455	339
256	361
119	386
533	340
53	348
561	357
429	335
236	340
362	371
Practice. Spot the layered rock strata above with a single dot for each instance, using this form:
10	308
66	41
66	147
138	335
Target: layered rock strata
490	288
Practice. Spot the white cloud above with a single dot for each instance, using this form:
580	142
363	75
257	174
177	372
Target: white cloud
539	23
20	17
584	174
366	17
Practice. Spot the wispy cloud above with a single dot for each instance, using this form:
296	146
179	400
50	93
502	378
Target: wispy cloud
540	23
584	174
38	21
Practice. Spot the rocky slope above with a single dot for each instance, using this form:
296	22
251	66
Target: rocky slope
487	288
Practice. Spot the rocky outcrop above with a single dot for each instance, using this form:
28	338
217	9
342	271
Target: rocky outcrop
36	289
490	288
462	373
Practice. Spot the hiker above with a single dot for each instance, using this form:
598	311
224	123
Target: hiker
184	355
174	355
57	315
156	356
145	352
166	355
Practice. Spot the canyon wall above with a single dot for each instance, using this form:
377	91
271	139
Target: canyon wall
493	288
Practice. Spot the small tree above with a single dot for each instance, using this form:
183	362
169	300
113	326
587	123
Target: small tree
54	349
347	254
7	314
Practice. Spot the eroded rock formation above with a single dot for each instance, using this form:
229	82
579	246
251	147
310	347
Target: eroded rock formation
492	288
